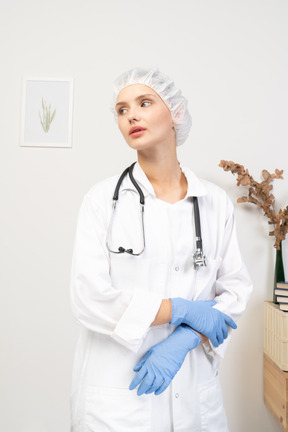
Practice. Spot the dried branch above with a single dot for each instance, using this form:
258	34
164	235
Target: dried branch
260	195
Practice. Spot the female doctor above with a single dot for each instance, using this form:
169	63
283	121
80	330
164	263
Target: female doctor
157	279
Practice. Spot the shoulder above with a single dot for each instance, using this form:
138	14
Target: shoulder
212	196
102	187
100	195
217	200
203	188
213	190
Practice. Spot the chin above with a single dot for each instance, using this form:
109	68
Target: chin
137	145
137	148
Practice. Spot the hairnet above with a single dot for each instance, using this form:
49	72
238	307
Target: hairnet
166	89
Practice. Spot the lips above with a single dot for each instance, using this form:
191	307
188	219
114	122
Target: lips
136	129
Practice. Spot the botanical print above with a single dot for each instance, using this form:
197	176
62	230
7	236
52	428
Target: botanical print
47	117
47	109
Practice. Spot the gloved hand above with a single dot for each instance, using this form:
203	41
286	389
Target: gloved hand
202	317
161	363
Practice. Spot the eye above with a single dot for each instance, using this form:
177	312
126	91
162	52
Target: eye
122	111
146	103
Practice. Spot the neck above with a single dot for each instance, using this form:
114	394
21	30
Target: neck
159	166
164	173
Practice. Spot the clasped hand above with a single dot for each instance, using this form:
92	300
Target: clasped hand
202	317
161	363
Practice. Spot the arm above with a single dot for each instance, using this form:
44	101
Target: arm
124	315
164	313
233	287
233	284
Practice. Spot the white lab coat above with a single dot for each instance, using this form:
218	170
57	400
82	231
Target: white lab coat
115	299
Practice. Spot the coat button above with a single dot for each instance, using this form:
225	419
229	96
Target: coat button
176	268
177	395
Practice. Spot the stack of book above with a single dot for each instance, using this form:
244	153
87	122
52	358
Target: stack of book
281	292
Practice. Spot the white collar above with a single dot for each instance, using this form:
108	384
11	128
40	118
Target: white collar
195	185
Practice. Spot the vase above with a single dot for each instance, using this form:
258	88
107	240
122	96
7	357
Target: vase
279	275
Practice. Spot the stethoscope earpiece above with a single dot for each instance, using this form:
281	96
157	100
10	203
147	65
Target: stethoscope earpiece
122	250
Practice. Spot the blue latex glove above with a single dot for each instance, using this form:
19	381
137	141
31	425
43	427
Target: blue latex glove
161	363
202	317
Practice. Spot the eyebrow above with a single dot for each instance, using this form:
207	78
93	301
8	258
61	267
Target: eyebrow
137	98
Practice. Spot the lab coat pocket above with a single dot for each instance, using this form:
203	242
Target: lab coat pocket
212	412
206	280
116	410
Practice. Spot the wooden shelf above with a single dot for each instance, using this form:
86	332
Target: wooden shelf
276	391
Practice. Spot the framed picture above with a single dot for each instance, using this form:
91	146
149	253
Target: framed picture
46	114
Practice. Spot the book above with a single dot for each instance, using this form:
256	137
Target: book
281	292
283	307
283	285
282	299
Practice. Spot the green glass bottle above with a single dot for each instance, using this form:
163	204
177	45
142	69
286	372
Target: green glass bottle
279	271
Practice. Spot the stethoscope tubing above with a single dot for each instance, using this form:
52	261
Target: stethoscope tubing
198	258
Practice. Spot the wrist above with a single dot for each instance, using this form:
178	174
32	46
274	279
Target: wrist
178	310
203	337
164	313
193	333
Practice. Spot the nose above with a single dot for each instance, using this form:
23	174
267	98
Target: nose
133	115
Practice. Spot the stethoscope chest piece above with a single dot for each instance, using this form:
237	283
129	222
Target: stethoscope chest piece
199	259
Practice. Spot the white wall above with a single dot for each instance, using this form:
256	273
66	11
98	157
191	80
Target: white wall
230	59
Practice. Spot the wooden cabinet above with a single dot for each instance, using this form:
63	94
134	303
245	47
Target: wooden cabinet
276	335
276	391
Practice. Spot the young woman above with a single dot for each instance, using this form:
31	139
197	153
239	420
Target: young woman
155	291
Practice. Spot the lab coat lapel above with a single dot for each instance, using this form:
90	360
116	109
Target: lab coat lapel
195	186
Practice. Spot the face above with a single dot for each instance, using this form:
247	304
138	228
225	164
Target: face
143	118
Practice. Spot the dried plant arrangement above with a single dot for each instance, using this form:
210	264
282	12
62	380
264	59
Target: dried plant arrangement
261	195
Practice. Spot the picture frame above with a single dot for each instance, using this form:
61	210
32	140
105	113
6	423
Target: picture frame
46	112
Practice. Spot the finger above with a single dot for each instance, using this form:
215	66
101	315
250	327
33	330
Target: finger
138	378
163	387
138	366
156	384
225	331
214	341
146	383
229	321
220	337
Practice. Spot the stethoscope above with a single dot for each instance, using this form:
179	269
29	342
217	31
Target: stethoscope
199	259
